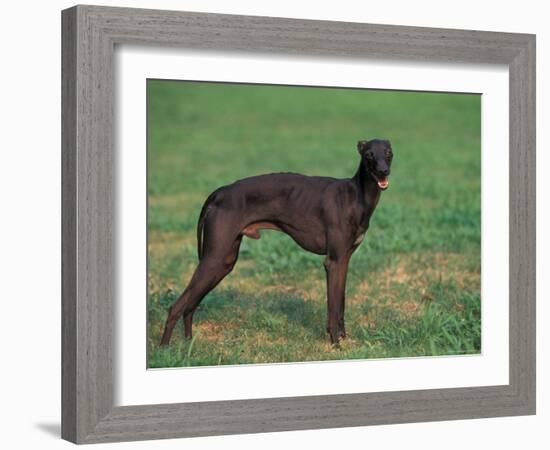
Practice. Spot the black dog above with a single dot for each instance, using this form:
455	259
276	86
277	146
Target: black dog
327	216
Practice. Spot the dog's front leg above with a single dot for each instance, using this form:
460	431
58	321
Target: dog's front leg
336	269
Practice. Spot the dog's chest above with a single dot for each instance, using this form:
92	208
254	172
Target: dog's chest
359	238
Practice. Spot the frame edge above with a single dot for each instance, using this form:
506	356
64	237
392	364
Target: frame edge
68	224
522	283
88	415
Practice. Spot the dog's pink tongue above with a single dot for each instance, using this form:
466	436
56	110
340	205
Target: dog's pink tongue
383	184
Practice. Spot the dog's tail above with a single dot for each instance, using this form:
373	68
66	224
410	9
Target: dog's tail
200	223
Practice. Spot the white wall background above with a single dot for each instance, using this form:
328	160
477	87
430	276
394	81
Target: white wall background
30	223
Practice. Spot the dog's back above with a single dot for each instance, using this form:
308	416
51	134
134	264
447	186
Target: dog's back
289	202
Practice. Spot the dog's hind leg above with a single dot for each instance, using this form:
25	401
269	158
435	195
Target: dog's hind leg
211	270
220	253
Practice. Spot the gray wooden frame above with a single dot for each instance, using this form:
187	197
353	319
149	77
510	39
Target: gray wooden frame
89	36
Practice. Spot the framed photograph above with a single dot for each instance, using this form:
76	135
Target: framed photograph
268	222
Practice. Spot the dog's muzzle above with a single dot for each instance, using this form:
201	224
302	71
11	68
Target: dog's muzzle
383	182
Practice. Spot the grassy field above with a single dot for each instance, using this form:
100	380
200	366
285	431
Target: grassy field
413	285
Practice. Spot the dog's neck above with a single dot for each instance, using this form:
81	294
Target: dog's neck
367	186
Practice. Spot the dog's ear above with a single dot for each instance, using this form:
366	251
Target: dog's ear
362	146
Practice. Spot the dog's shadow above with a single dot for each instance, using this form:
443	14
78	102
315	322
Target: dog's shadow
221	304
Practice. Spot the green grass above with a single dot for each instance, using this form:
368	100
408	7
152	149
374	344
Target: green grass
413	285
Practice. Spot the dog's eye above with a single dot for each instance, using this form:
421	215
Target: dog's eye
370	155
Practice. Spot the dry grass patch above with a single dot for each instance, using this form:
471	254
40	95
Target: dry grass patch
213	331
405	285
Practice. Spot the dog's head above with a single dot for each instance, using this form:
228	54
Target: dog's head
376	157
